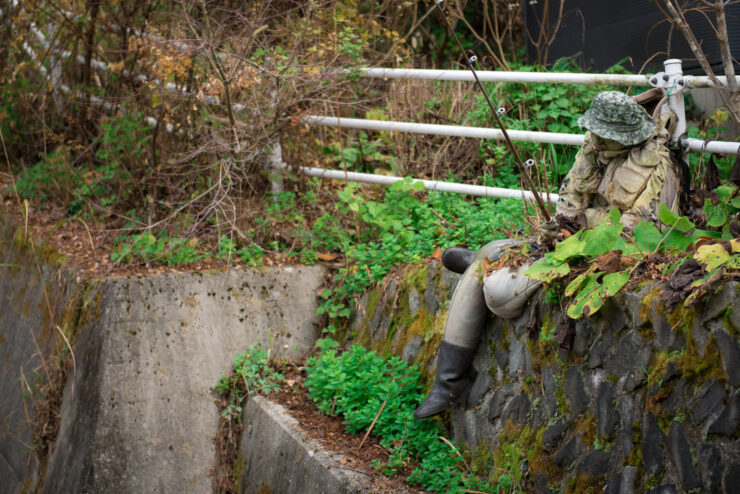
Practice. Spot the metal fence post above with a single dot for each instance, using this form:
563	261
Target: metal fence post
275	166
674	91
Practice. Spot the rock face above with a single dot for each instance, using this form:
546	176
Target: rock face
138	412
640	399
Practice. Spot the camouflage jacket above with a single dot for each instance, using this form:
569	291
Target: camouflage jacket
635	180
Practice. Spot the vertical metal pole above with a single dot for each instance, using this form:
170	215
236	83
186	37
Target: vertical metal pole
56	72
674	92
275	165
275	169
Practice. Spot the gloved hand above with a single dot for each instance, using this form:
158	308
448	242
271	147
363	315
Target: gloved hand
546	232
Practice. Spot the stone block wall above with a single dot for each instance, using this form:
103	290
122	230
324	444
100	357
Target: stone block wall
635	399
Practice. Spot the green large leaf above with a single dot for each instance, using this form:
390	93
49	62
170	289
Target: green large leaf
680	223
627	248
717	215
678	241
647	236
588	300
601	239
569	248
706	233
577	282
725	192
544	271
614	282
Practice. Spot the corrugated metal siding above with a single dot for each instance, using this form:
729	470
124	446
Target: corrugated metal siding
599	34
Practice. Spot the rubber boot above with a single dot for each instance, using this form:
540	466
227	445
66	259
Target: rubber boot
453	379
466	320
457	259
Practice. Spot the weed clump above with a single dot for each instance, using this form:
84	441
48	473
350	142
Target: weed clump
379	394
251	375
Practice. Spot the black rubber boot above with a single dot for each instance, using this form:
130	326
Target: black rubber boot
457	259
453	379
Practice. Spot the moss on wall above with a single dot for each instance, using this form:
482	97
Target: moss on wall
405	329
646	331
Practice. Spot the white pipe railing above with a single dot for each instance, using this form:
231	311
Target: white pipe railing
445	130
697	145
531	77
718	147
473	190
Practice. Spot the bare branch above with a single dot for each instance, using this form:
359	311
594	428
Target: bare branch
724	45
680	20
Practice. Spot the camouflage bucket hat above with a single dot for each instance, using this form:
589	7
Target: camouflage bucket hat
616	116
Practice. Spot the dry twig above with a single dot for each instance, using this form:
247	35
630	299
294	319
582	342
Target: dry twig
372	425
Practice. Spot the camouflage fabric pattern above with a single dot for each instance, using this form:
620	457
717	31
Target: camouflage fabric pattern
614	115
634	180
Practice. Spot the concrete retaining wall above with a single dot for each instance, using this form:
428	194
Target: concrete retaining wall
141	415
279	459
138	413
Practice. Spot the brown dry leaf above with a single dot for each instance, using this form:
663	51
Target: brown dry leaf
326	256
437	254
611	262
489	267
565	233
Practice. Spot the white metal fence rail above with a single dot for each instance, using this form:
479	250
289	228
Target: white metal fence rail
696	145
690	81
436	185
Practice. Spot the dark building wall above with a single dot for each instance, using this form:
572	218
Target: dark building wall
600	34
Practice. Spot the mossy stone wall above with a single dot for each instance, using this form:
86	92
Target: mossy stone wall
635	398
39	298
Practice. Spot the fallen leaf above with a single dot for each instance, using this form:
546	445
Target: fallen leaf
326	256
497	266
437	254
611	262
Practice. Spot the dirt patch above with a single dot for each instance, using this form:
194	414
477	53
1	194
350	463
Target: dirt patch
87	245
